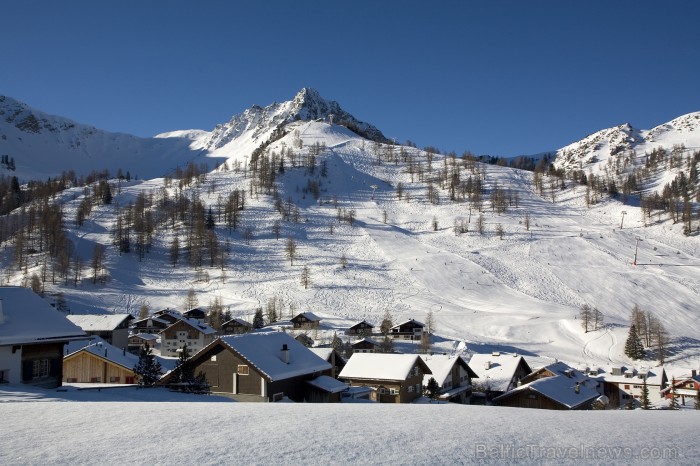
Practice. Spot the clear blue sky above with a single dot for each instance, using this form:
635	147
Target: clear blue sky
496	77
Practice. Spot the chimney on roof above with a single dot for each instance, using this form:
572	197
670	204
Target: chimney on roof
487	365
577	388
284	354
693	373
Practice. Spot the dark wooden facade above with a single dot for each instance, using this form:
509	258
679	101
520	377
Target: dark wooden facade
236	327
306	320
42	364
409	330
363	328
227	372
528	398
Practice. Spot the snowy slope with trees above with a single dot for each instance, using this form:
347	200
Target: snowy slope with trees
504	259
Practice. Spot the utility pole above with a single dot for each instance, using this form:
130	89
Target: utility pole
636	246
624	212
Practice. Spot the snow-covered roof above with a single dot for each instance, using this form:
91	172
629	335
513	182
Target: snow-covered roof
145	336
368	340
441	366
26	318
328	384
631	375
323	353
263	349
559	388
100	348
381	366
98	323
309	316
238	321
559	368
409	321
196	324
496	370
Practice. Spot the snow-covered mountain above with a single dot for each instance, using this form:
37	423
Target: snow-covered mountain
44	145
510	280
621	149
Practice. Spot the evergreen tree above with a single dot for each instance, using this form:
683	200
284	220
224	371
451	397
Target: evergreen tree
674	396
633	346
147	369
432	389
646	404
336	343
258	319
185	379
210	220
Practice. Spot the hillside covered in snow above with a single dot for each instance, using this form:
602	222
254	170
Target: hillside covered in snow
504	259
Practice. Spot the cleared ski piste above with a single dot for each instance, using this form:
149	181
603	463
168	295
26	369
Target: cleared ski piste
128	426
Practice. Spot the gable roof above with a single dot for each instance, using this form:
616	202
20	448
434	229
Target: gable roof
325	354
367	324
560	389
409	321
497	369
98	323
262	351
144	336
103	350
195	324
441	367
367	340
632	375
238	321
26	318
381	366
328	384
309	316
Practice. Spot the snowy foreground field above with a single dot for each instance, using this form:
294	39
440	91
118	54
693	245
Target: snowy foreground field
113	427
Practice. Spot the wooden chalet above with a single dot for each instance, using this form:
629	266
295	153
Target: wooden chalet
623	385
453	375
264	366
236	327
363	328
556	386
394	378
140	340
99	362
306	320
366	345
156	323
408	330
331	356
686	388
498	373
112	328
32	337
196	313
190	332
305	340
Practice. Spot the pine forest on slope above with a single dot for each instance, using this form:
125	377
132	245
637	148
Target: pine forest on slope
504	258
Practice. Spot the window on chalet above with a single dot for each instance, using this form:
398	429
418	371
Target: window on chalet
40	368
410	389
114	379
243	369
627	387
